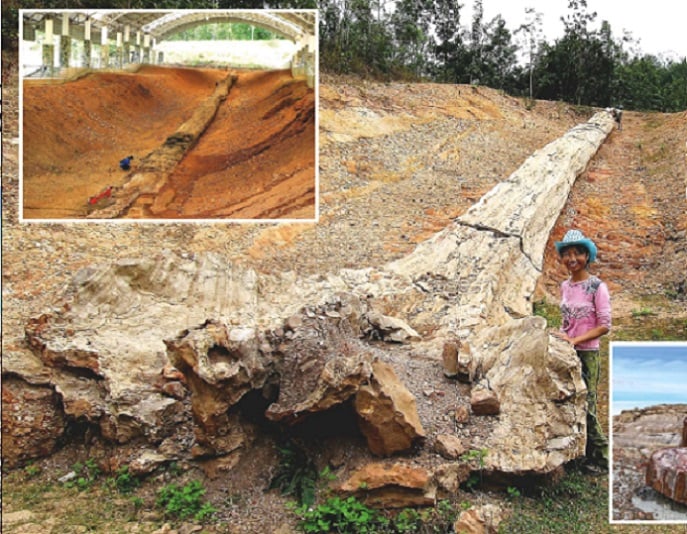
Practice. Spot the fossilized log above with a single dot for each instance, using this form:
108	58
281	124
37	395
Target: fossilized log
153	170
471	284
667	473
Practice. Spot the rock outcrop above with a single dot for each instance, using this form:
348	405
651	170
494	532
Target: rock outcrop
307	345
640	437
667	470
667	473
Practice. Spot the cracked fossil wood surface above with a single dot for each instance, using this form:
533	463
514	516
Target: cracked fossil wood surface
104	350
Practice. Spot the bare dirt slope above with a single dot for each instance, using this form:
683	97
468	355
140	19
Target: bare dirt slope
397	163
257	160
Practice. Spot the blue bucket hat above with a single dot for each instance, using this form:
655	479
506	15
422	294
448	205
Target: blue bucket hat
575	237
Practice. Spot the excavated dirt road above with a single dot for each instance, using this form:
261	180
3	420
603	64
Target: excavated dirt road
256	160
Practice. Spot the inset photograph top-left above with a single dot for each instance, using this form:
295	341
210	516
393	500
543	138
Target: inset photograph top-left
207	115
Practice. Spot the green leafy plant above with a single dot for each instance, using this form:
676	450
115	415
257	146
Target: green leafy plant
297	475
32	470
185	501
124	481
642	312
408	520
86	474
475	454
512	492
472	456
344	516
438	520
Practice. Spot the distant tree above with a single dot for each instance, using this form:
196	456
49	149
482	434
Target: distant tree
410	26
476	44
449	54
498	55
534	37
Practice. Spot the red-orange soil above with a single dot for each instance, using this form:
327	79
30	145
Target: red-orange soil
256	160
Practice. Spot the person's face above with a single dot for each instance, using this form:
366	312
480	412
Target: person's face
574	258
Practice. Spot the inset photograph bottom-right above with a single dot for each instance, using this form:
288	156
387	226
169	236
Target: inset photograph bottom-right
648	401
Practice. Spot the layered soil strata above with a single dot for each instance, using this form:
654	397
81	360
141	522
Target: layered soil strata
257	159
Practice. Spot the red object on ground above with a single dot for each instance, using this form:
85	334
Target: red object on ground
105	193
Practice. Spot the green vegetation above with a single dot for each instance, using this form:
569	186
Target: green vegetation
226	31
350	516
124	481
297	474
475	456
345	516
550	312
85	475
32	470
182	502
424	40
570	507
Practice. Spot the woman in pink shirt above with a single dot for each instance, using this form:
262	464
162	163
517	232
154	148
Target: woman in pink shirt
586	313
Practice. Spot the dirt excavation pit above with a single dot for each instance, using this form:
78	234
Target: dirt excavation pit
255	160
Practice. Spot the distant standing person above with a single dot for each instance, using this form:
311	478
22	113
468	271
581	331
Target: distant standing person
125	164
586	313
618	116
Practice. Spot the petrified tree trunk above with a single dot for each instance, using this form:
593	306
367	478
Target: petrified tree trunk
667	473
308	339
154	168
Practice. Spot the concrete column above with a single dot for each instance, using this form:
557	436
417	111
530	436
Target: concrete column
146	48
65	43
297	67
87	48
126	45
137	48
49	49
104	49
153	51
310	69
119	51
310	60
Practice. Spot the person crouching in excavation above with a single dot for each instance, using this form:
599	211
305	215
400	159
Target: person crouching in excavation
125	164
586	314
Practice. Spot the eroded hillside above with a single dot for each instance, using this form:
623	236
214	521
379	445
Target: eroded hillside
397	163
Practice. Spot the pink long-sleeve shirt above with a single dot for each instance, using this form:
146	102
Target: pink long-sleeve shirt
585	305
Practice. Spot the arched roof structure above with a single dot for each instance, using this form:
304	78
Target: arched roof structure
160	25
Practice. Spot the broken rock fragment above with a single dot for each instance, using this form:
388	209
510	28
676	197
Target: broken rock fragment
484	402
387	412
450	447
395	485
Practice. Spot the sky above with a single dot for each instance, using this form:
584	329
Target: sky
645	374
658	25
